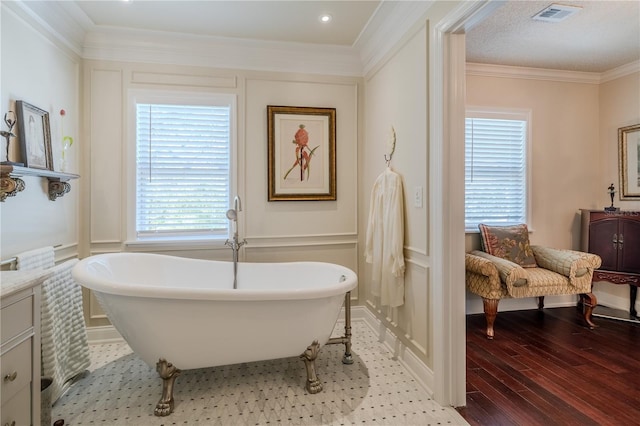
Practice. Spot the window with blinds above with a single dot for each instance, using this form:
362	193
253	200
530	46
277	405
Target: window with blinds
182	170
495	171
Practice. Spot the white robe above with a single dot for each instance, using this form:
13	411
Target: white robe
385	239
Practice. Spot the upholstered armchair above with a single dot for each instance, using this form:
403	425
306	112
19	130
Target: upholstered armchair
547	272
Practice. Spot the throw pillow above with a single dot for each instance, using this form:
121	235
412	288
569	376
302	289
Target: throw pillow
508	242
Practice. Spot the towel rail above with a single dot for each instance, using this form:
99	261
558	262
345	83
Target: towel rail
8	261
13	259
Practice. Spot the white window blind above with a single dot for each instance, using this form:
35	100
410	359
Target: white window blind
182	169
495	172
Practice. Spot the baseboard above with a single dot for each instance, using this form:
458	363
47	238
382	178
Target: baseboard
615	302
400	352
103	334
474	303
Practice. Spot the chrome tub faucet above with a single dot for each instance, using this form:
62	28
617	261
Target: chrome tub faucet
232	215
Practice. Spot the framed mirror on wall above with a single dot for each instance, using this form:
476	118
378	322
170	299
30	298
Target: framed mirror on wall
629	162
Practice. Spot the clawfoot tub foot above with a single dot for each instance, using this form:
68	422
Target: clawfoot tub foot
168	373
309	357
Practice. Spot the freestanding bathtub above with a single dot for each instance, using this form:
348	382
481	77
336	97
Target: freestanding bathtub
179	313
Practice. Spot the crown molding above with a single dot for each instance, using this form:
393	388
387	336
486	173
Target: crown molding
220	52
506	71
503	71
64	24
391	25
52	21
394	22
621	71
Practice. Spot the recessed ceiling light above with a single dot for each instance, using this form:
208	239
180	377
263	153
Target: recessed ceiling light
325	18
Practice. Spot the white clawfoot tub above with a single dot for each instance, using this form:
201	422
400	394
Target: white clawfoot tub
179	313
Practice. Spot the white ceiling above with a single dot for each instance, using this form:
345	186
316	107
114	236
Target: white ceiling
603	36
290	21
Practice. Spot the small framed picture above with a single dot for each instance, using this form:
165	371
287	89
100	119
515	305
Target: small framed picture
301	153
629	159
35	136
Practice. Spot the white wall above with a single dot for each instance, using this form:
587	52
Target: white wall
275	231
396	95
292	230
42	73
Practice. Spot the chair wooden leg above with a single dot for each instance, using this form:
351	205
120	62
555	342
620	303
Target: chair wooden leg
588	301
490	312
540	302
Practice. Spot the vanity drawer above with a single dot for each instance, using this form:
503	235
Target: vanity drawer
16	370
16	318
17	411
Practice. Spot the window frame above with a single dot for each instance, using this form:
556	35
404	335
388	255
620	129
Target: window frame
139	96
508	114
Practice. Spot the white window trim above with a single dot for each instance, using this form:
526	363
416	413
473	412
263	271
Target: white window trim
136	96
510	114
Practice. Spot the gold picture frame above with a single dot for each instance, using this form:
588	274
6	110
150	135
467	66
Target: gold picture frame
629	162
301	153
35	136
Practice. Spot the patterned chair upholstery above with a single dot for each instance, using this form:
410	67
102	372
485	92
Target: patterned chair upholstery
558	272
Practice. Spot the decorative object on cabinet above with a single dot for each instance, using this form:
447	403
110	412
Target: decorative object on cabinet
10	121
298	137
615	237
556	272
612	193
629	161
20	347
35	136
11	183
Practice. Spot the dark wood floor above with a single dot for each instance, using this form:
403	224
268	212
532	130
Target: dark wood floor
545	368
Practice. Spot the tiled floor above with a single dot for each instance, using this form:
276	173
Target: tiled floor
375	390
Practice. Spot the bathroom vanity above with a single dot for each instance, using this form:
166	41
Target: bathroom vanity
20	346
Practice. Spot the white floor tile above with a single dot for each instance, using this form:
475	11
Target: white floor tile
375	390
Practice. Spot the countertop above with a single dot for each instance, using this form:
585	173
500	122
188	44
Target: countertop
12	282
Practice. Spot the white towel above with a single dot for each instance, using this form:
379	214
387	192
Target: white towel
65	348
41	258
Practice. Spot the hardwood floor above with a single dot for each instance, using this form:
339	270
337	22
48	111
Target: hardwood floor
546	368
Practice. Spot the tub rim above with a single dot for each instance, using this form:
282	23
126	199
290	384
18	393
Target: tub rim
91	281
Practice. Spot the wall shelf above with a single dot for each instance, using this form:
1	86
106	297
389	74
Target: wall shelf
11	184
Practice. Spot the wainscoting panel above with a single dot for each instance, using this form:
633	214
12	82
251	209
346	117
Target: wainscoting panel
410	322
345	255
106	134
184	80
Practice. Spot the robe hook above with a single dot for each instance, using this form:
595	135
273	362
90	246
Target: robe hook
392	145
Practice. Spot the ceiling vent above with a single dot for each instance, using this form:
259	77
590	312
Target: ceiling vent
556	13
